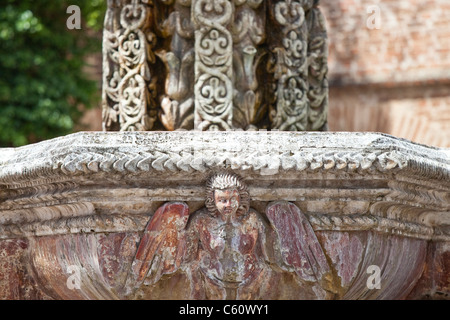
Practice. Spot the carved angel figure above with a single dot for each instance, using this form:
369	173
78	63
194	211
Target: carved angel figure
229	251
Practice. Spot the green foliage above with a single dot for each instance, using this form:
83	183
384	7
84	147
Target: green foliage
43	86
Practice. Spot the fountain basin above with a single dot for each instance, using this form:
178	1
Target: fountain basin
73	209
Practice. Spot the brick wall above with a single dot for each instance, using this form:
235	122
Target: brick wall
393	77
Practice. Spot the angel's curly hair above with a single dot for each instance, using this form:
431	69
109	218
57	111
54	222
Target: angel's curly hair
227	181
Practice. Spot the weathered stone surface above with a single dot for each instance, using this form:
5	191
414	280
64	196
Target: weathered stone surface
164	242
297	241
345	250
89	202
16	283
229	252
214	65
222	215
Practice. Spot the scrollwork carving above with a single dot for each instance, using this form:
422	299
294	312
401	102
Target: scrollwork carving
317	69
248	36
128	83
291	71
215	65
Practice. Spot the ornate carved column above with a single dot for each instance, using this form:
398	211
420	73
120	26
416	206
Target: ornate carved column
249	51
213	86
221	215
128	79
300	66
215	65
177	97
317	69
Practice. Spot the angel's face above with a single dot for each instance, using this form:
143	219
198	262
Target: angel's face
227	202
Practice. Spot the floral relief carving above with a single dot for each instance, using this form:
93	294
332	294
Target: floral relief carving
215	65
177	100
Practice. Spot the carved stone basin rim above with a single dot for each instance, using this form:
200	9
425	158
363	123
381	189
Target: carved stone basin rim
109	182
264	153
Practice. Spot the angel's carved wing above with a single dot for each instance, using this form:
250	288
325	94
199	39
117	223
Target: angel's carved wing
163	244
300	249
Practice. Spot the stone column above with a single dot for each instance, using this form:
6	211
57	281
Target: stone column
128	83
215	65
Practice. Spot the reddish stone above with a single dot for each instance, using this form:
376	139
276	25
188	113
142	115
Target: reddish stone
15	281
435	280
116	252
345	250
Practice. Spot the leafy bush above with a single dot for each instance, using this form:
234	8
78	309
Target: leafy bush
43	87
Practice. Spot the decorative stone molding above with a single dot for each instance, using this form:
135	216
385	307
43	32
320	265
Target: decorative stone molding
128	83
214	65
86	200
243	151
76	175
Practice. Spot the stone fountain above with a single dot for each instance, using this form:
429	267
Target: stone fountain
215	177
